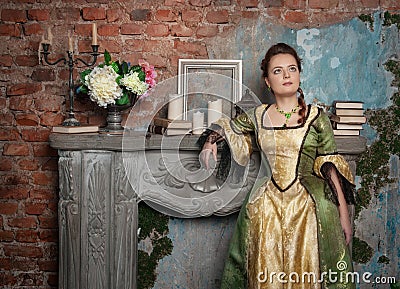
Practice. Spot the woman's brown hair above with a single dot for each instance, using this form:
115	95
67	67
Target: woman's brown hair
283	48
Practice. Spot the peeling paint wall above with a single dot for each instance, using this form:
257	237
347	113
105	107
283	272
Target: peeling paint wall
342	61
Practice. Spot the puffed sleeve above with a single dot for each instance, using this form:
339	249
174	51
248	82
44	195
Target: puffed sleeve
236	140
328	159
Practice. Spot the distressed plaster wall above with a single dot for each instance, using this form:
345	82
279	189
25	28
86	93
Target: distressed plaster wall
341	61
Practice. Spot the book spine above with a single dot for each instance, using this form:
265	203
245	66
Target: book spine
156	129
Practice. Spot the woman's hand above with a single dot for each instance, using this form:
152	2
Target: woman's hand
208	149
345	222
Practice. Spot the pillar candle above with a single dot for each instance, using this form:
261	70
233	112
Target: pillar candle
175	107
70	43
49	36
198	122
214	111
94	34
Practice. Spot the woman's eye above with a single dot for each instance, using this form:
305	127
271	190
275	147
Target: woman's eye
277	71
293	69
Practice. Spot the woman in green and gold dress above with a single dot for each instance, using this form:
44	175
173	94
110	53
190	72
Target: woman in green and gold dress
294	228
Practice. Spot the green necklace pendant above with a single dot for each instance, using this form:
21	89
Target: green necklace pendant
287	115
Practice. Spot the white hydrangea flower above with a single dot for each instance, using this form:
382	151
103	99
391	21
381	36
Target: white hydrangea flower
102	85
132	82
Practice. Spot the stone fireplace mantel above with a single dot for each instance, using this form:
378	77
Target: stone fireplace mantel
103	178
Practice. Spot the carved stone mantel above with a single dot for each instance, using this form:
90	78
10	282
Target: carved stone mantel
102	179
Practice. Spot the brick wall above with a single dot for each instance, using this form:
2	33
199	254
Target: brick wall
32	95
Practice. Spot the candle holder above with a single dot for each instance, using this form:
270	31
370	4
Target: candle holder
71	62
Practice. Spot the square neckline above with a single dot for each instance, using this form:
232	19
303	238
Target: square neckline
282	127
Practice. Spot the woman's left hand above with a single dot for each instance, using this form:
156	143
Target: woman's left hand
346	225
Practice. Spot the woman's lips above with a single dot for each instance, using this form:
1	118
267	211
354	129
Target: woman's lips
287	83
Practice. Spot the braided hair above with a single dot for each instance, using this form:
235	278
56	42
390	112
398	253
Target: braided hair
283	48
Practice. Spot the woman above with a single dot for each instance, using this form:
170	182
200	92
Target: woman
294	228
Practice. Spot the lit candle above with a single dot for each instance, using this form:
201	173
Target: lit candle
70	43
214	111
94	34
175	106
198	122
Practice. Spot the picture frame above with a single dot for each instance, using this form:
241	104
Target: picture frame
210	79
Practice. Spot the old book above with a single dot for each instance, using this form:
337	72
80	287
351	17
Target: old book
168	123
347	104
349	111
156	129
76	129
347	132
353	126
348	119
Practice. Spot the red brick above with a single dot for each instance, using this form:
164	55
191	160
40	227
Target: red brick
207	31
296	17
140	15
115	15
13	30
28	164
35	134
181	31
23	251
191	48
166	15
49	235
6	118
83	29
52	280
6	60
16	149
23	89
8	208
9	133
43	194
27	236
191	16
275	12
13	15
27	119
111	46
296	4
51	119
322	4
52	103
218	17
370	3
24	265
48	265
34	208
248	3
132	29
173	2
156	60
20	103
43	74
44	178
93	13
157	30
27	60
70	13
5	264
3	102
23	222
108	30
48	222
200	3
38	14
6	236
50	165
14	178
12	192
33	29
5	165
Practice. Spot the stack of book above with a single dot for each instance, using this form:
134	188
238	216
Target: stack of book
169	127
347	117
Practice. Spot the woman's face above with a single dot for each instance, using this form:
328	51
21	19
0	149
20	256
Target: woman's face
283	75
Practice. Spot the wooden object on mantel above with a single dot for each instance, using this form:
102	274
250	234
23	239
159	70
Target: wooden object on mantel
102	179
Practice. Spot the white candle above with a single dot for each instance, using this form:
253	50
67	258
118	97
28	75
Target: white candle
198	122
175	106
49	36
94	34
214	111
70	43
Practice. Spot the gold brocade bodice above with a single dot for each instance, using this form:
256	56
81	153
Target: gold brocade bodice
282	147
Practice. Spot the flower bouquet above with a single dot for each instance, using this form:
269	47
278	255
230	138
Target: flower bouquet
117	85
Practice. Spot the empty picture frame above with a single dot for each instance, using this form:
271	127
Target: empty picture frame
204	80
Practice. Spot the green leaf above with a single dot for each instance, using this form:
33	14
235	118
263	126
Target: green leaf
118	79
142	75
124	67
83	74
123	100
107	57
115	67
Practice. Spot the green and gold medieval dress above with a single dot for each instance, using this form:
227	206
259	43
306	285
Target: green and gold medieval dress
288	233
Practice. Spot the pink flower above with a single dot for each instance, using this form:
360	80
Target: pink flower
150	72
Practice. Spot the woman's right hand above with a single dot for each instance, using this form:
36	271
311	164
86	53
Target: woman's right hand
207	150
